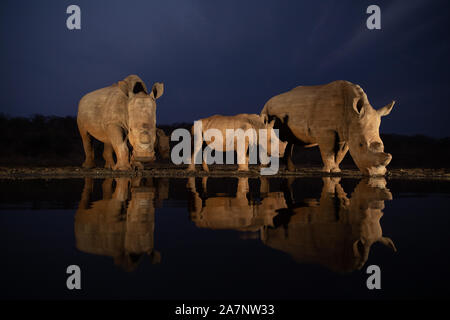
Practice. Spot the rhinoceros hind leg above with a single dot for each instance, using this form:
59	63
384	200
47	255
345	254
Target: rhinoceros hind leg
243	158
108	156
88	149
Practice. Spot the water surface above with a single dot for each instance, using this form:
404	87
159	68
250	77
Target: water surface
233	238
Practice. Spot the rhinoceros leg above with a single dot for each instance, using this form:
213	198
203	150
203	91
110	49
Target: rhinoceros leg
107	189
242	157
119	144
86	194
205	184
288	157
205	165
196	199
327	146
340	154
88	149
108	155
198	143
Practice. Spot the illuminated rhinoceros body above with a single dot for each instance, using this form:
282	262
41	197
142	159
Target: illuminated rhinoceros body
337	117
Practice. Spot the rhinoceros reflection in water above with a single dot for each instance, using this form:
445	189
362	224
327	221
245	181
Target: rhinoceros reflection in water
112	228
335	231
238	212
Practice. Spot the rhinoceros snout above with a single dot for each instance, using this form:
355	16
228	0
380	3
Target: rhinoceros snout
376	147
144	156
385	159
144	137
376	164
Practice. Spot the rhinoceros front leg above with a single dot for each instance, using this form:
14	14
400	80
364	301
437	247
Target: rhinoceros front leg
288	157
119	144
340	154
327	146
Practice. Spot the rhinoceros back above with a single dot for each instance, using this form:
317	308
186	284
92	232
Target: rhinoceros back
308	107
101	107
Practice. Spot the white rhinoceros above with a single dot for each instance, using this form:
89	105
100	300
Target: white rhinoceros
337	117
223	142
122	112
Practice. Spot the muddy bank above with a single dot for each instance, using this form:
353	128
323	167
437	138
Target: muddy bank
172	171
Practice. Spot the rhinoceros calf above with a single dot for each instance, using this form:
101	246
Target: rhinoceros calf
122	112
337	117
223	142
236	212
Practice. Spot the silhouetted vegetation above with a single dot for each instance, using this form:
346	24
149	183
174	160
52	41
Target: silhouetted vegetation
54	141
40	140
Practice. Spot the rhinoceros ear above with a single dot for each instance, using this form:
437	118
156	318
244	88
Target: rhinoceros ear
264	118
157	90
358	106
358	248
386	109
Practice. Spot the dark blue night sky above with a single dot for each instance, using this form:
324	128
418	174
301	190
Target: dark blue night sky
228	56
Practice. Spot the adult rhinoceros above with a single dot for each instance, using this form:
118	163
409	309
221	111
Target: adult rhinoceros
337	117
123	111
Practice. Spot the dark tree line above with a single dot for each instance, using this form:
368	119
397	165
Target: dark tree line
54	141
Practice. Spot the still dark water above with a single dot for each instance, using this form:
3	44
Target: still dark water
230	238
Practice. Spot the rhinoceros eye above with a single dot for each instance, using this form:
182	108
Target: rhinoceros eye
361	145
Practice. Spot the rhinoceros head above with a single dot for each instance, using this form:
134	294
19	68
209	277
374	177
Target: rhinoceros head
142	121
364	140
365	212
272	137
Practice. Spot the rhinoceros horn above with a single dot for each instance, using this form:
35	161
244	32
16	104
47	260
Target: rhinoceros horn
388	243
